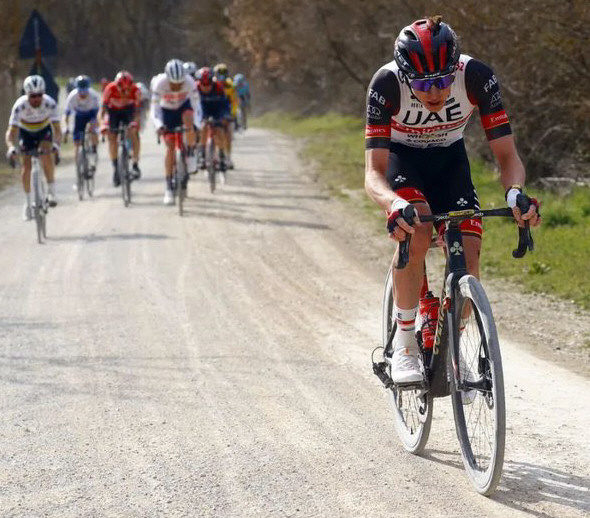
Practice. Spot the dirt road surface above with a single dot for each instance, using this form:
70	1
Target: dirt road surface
218	365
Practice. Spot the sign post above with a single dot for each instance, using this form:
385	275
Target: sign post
38	41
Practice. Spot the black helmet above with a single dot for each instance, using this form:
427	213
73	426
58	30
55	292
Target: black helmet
83	82
426	49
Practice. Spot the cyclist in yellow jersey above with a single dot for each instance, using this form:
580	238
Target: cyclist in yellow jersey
222	75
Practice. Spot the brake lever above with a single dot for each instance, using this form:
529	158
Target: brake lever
403	257
525	238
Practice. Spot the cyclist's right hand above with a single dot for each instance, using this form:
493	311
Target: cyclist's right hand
397	225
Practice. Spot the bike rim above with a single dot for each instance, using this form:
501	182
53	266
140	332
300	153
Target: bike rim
412	408
479	413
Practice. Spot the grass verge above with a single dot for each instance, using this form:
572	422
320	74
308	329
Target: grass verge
335	144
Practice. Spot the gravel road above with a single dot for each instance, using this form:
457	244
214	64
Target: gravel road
218	365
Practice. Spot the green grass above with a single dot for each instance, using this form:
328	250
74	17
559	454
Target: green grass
558	266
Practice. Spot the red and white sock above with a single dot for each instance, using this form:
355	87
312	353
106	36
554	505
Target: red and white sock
405	335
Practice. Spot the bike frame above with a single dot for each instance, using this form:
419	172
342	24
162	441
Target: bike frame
436	382
180	169
38	185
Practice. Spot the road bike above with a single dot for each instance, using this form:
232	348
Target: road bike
464	360
212	153
242	116
40	205
180	175
123	152
84	171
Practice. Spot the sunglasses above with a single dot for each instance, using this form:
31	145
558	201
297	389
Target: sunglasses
424	85
35	96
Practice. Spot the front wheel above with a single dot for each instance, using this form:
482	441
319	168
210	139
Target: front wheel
180	182
210	161
80	174
124	176
477	391
412	408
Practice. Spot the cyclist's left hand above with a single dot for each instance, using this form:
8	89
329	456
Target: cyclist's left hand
517	199
55	149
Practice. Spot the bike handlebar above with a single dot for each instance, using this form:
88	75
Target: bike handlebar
525	238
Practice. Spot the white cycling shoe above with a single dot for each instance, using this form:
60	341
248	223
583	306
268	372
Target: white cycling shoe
168	197
191	163
27	212
406	367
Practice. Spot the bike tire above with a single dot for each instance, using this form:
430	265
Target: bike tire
480	414
80	174
412	408
180	172
210	160
38	208
124	177
90	186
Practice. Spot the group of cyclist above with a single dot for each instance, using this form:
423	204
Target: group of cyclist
183	97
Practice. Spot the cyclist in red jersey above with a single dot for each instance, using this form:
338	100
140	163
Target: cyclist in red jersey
418	106
121	100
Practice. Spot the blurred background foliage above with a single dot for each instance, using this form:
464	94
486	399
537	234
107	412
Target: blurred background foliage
313	56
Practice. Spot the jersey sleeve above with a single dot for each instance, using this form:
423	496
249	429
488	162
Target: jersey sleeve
15	114
106	95
54	111
155	108
68	107
483	91
383	100
136	96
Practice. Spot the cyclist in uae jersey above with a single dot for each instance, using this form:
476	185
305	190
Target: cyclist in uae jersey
121	100
214	105
175	103
34	121
417	108
84	102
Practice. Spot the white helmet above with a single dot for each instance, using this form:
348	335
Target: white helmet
34	85
175	71
190	68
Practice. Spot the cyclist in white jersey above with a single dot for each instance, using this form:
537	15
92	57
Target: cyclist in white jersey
84	102
417	109
35	121
145	104
175	102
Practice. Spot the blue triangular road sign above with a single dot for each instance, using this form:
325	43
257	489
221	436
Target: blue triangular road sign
37	36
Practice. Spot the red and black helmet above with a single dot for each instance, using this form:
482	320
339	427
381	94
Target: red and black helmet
205	76
124	80
426	49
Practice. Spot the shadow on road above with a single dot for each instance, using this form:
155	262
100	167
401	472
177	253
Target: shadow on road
525	485
94	238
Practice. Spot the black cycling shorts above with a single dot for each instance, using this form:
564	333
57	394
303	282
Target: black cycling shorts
30	140
441	176
173	118
124	115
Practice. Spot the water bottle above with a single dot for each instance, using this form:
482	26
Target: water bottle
429	305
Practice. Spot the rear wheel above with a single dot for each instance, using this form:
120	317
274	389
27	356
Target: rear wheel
412	408
478	386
